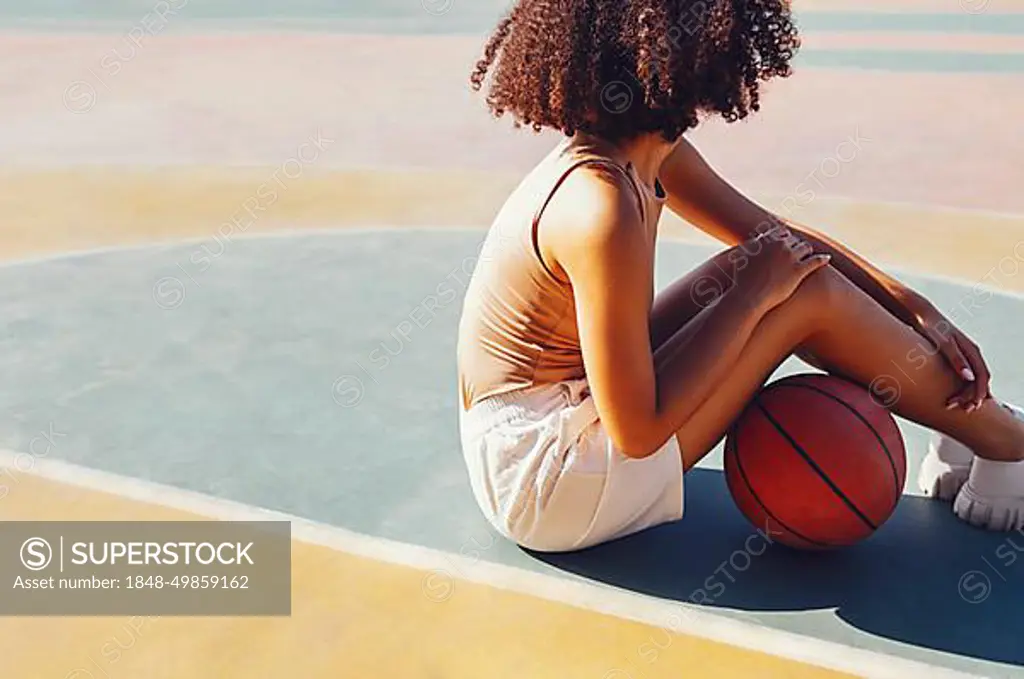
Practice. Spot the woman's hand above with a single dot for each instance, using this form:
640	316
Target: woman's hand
960	352
776	262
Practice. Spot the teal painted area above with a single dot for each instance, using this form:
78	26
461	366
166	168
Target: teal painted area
462	17
236	393
958	22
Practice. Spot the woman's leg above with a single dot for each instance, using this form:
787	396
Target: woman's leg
681	301
850	334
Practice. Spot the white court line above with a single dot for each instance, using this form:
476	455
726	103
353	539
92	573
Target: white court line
370	230
172	243
674	616
837	200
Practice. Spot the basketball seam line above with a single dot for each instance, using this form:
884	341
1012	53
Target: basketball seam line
881	441
753	494
814	465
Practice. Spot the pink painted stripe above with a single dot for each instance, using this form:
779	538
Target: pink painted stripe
389	102
915	6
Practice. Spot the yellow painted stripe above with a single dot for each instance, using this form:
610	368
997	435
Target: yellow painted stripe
352	617
974	247
59	210
44	212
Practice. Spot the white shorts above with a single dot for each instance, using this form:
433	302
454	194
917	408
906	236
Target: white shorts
547	476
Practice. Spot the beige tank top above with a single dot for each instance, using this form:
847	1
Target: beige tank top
518	325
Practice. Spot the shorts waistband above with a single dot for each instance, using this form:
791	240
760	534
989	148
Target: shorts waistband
521	404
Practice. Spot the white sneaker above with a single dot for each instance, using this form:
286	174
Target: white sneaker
945	468
993	496
997	512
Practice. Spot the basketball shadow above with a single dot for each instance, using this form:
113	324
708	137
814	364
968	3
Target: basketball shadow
925	578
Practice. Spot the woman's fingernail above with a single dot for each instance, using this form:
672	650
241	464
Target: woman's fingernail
951	405
968	374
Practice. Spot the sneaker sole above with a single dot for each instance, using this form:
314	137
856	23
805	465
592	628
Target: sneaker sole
941	481
995	514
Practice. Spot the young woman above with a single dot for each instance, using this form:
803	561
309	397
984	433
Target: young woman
585	397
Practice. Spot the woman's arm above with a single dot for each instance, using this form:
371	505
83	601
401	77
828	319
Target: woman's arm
644	397
703	198
604	251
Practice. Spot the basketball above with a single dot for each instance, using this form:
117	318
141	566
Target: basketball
815	462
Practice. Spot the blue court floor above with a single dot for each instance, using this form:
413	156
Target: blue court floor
314	374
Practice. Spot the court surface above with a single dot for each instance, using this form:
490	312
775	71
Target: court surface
289	373
189	361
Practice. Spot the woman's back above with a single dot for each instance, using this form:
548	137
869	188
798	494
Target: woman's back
518	326
517	323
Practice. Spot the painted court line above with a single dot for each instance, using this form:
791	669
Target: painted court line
174	242
762	198
836	200
355	231
672	616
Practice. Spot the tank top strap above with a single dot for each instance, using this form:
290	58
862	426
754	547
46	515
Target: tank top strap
577	163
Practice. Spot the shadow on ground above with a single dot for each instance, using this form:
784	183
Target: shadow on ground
925	578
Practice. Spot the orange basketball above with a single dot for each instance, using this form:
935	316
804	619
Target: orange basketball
815	461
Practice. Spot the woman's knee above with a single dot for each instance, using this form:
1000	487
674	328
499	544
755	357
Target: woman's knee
817	300
824	290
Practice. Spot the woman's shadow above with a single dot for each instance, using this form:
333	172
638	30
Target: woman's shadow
925	578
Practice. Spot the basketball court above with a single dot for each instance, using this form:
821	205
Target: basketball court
161	361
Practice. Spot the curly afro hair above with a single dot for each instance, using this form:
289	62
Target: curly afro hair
617	69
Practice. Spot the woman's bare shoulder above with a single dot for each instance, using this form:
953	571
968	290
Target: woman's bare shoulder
596	202
595	211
